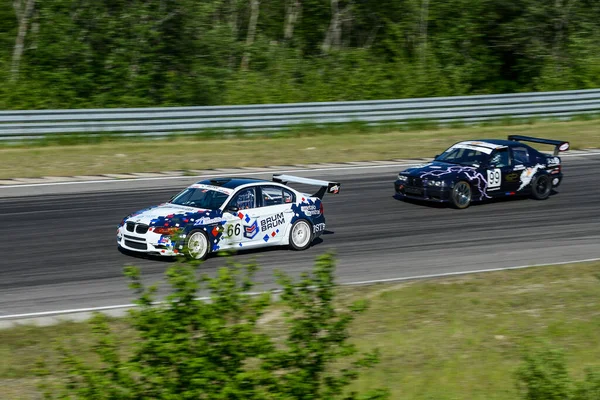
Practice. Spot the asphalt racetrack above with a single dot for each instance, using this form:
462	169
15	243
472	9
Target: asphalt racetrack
60	252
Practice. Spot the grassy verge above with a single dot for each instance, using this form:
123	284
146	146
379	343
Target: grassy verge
456	338
303	146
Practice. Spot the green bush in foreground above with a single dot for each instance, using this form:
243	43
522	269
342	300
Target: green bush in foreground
217	349
544	376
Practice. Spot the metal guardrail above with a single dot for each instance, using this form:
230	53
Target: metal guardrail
16	125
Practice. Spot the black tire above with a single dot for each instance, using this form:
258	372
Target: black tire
461	195
541	187
197	245
301	235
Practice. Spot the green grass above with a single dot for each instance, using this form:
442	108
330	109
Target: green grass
454	338
78	155
463	338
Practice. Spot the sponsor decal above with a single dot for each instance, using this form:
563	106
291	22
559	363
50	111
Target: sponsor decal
483	144
164	240
319	227
477	146
211	187
555	181
334	189
512	177
528	174
310	210
272	222
552	161
208	221
251	231
564	147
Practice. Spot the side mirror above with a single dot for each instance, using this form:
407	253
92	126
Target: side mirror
232	209
435	157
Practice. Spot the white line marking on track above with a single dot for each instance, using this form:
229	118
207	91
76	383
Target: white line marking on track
368	282
158	178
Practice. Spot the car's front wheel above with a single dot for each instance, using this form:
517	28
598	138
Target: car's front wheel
541	187
461	195
197	245
300	235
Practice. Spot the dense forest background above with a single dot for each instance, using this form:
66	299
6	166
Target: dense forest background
136	53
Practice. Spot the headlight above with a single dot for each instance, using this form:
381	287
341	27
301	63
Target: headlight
402	178
435	183
165	231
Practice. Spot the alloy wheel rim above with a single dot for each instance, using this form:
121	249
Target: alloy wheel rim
462	194
301	234
197	245
542	186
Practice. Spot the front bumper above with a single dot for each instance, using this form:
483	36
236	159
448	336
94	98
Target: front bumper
149	243
440	194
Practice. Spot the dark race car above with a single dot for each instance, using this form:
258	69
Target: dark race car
483	169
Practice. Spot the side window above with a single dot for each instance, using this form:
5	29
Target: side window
288	197
520	155
275	195
500	158
245	199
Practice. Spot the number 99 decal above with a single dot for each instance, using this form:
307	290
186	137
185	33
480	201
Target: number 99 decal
494	178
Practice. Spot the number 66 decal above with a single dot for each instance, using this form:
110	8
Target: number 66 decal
494	178
234	230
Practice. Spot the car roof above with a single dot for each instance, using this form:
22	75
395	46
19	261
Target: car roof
232	182
500	142
503	142
492	144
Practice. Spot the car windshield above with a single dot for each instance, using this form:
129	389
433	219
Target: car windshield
463	156
200	196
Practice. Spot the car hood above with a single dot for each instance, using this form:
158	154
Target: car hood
166	210
435	168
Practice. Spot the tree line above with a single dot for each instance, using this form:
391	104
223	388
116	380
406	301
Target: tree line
136	53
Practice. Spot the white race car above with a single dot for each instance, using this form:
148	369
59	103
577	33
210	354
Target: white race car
229	213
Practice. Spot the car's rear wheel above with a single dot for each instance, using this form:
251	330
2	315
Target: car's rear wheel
300	235
197	245
461	195
541	187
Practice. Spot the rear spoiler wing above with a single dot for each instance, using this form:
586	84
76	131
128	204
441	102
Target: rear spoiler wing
326	186
559	145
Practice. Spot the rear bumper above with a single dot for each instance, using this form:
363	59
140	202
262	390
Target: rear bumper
318	226
435	194
556	180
